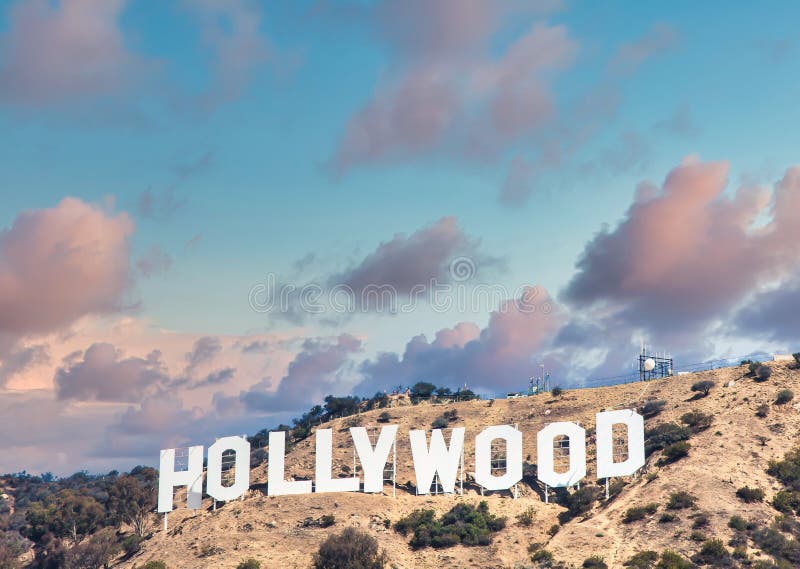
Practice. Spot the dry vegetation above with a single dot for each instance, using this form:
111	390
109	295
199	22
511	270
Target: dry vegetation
708	505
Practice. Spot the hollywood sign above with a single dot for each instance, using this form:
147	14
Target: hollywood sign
437	459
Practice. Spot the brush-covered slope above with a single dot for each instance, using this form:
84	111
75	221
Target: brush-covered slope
733	452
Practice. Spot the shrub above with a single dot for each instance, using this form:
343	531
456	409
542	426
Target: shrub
542	557
663	435
652	408
327	520
350	549
553	530
249	564
666	518
784	396
796	357
642	560
579	502
527	517
672	560
697	420
676	451
737	523
132	544
788	469
763	373
594	562
703	387
680	500
713	553
762	410
753	366
384	417
154	565
750	495
441	422
557	392
639	513
786	501
700	521
464	524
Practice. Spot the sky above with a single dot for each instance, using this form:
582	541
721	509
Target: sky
216	213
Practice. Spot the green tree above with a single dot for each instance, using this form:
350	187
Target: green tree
132	499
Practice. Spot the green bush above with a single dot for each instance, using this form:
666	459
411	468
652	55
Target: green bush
249	564
796	357
671	560
527	517
543	557
753	366
441	422
639	513
675	452
350	549
666	518
703	387
713	552
762	410
737	522
594	562
579	502
700	521
663	435
750	495
787	470
154	565
680	500
327	520
697	420
784	396
384	417
763	373
642	560
464	524
652	408
557	391
786	501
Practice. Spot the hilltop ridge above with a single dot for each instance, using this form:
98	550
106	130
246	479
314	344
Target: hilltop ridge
733	452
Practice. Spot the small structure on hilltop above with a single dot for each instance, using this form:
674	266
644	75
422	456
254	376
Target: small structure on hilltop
654	365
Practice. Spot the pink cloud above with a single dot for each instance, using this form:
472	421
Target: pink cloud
451	93
62	263
688	253
70	49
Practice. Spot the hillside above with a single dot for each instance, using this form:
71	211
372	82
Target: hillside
732	453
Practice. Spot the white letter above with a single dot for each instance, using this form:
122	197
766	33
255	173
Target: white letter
439	459
577	454
606	467
241	481
373	460
276	484
192	478
325	463
483	458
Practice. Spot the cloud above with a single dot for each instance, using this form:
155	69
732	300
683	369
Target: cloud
22	359
408	261
104	375
203	351
773	314
67	50
680	123
503	355
319	369
686	254
659	39
217	377
154	262
62	263
449	92
230	31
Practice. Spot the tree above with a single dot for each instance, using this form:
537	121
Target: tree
351	549
94	553
443	391
341	405
422	390
132	498
703	386
65	514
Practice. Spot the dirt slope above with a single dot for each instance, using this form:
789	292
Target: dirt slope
723	458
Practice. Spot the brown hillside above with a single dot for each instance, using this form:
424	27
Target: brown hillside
724	457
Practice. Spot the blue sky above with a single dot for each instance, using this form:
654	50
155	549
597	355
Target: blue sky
232	121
